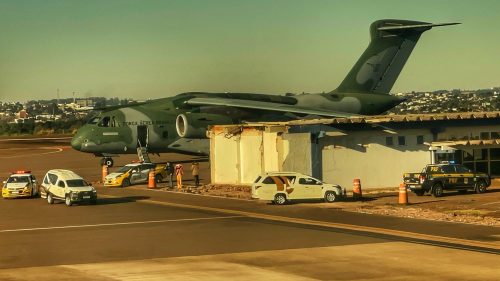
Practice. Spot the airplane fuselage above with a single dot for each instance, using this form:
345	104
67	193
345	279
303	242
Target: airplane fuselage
153	125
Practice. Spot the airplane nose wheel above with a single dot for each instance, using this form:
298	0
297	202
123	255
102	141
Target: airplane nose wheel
107	161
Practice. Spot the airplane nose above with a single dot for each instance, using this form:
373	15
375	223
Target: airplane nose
76	142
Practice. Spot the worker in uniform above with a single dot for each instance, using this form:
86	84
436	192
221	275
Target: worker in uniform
178	173
170	171
195	170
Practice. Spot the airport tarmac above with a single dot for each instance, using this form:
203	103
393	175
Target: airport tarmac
137	234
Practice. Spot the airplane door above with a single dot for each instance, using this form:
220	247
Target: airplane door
142	136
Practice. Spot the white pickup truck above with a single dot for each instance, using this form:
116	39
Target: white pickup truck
281	187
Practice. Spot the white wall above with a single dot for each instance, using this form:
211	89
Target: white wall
224	157
297	155
250	157
376	164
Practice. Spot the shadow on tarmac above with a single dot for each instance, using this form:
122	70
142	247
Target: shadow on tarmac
120	200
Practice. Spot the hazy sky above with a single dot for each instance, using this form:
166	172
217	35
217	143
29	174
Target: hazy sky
151	49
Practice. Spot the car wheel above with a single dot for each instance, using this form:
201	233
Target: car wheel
158	178
437	190
50	200
68	200
125	183
330	197
280	199
419	192
480	187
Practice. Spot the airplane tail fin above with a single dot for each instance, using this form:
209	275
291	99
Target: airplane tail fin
392	42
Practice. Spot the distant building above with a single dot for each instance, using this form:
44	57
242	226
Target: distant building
22	114
85	102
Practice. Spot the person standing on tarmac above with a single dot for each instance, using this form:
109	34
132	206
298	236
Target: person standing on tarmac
170	171
195	170
179	171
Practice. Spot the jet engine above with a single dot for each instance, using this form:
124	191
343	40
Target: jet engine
194	125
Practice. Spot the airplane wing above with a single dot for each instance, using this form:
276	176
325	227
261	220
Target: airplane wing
270	106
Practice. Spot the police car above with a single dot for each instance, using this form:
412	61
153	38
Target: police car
135	173
20	184
436	178
281	187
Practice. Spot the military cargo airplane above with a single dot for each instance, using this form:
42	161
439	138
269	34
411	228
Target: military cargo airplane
179	123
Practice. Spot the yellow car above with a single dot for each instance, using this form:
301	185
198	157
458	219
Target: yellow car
20	184
133	174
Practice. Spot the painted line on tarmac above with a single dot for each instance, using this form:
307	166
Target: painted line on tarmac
418	237
56	150
35	139
491	203
116	223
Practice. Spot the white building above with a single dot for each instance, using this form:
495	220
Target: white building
377	150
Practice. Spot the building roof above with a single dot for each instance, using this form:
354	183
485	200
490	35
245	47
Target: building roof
466	142
376	119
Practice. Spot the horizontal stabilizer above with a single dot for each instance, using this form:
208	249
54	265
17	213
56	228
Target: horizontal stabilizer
415	26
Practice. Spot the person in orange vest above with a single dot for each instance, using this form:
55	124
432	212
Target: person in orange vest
178	173
195	170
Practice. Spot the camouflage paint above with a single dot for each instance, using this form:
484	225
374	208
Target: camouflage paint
364	91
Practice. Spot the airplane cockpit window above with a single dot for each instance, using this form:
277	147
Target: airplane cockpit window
94	120
104	122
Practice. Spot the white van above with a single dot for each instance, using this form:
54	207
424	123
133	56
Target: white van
280	187
66	185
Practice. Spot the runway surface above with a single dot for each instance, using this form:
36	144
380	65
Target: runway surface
139	234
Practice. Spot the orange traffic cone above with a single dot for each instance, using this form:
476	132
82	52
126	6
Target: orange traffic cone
151	179
104	172
403	194
356	189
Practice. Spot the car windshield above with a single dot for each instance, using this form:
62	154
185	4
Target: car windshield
18	179
76	183
125	169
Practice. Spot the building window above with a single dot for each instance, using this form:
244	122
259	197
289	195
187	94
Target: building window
484	135
401	140
495	135
480	154
420	139
389	141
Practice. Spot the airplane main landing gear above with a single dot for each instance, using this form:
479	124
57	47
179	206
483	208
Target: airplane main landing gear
108	161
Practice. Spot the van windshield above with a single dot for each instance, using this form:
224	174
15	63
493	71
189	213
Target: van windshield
76	183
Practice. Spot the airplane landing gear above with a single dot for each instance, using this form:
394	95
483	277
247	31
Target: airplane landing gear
108	161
